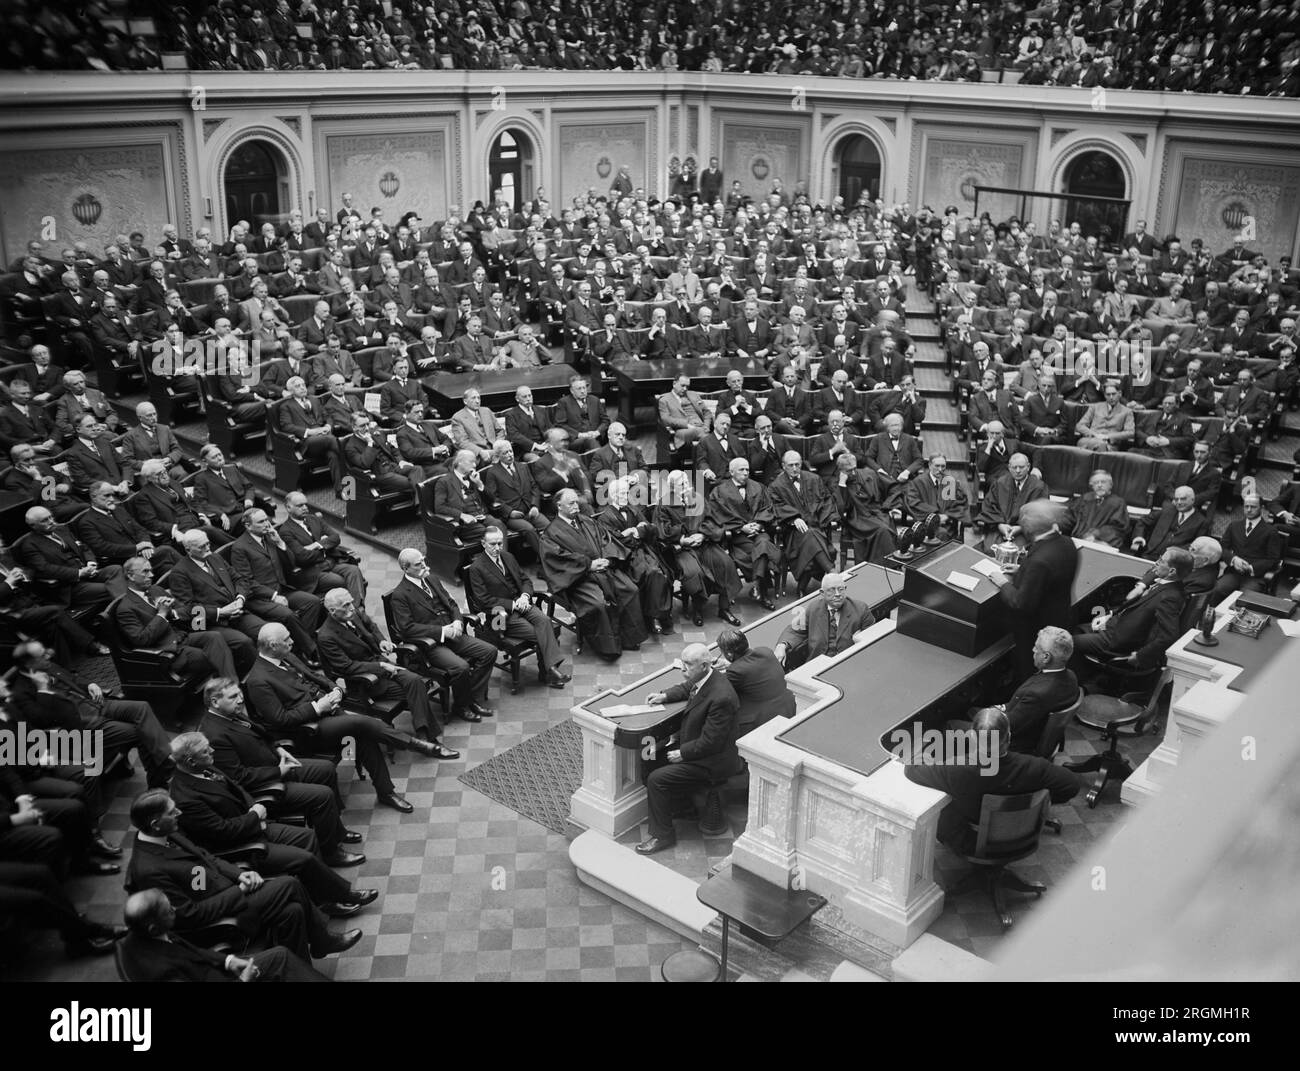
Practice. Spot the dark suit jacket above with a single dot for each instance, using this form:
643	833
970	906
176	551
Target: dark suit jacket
1147	625
759	682
522	430
47	561
309	564
967	786
880	454
814	639
710	723
243	751
394	397
138	446
709	454
575	418
1259	548
150	959
492	590
1028	708
350	653
508	494
139	625
451	498
173	869
70	409
799	408
262	571
193	587
1164	531
282	697
419	445
215	495
1039	594
294	422
112	536
16	428
87	466
158	508
214	810
420	616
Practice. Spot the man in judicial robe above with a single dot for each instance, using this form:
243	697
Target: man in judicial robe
805	514
1099	515
643	563
1007	496
739	515
865	519
702	565
578	561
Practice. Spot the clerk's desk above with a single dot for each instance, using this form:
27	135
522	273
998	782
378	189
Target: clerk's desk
892	682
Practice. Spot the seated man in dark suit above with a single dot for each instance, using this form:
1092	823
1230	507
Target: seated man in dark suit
1251	548
23	421
827	625
1206	552
320	561
765	450
399	392
209	595
219	814
758	679
703	749
302	419
1051	687
459	498
512	497
526	426
826	448
165	512
32	894
261	563
53	555
558	469
424	614
41	483
250	757
1176	525
203	889
999	772
896	458
504	594
716	450
110	531
146	617
789	405
222	493
367	450
351	644
285	693
152	952
1142	630
420	443
581	415
150	439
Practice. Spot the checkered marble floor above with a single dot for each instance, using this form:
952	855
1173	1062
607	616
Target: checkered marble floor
471	891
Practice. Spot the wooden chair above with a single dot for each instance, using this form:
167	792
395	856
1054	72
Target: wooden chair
1008	831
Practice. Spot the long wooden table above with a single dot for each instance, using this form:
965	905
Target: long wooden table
447	389
641	382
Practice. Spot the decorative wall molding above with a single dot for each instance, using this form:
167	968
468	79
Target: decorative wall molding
210	126
293	122
1140	140
221	156
1058	133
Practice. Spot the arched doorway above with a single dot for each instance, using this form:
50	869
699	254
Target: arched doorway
1089	176
510	168
857	169
255	181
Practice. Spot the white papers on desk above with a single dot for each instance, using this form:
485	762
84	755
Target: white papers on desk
1289	628
628	710
987	568
963	581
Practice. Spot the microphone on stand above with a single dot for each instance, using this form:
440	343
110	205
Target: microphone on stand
932	529
905	540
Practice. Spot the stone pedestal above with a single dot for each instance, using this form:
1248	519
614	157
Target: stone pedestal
611	798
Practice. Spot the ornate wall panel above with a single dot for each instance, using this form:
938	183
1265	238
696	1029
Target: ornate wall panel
1212	196
89	193
948	163
590	154
398	169
757	149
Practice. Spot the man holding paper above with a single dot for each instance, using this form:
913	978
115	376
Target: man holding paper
702	750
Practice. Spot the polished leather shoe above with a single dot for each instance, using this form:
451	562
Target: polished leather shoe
556	680
100	846
697	619
90	866
351	836
340	911
666	626
364	897
397	802
341	857
655	844
654	628
338	942
442	751
767	602
482	710
729	618
468	715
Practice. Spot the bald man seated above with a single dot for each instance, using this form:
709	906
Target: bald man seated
701	751
152	952
825	625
